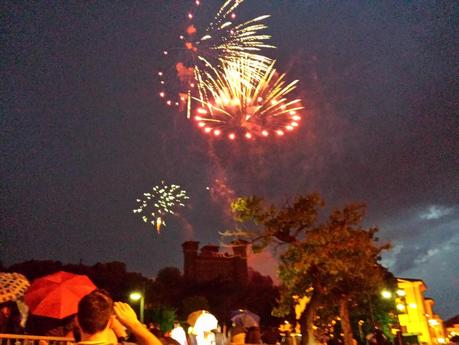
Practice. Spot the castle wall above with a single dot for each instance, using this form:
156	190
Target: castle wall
209	264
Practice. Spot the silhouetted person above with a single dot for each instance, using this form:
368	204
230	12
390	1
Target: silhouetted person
10	318
253	336
377	337
271	335
237	334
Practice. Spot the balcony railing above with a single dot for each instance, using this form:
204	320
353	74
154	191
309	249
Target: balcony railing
19	339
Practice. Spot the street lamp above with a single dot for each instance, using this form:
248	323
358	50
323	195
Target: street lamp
386	294
137	296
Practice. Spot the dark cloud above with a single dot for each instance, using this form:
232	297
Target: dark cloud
426	241
437	266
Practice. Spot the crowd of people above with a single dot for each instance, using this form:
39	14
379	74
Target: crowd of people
236	334
101	321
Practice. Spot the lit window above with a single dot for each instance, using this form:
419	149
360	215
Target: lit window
401	293
400	307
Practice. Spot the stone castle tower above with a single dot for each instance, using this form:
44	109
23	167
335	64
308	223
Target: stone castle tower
209	263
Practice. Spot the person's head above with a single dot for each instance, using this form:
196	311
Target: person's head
157	332
6	309
95	311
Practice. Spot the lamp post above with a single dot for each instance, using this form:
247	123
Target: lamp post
137	296
385	294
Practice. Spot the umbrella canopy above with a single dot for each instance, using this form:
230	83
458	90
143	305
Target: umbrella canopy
202	321
12	286
57	295
245	318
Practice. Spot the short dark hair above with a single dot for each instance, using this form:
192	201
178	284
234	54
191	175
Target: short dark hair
94	311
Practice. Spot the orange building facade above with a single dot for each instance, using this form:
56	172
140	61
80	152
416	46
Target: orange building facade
415	313
452	327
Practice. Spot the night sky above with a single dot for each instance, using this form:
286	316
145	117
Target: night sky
84	133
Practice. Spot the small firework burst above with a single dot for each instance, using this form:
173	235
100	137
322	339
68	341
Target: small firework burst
161	201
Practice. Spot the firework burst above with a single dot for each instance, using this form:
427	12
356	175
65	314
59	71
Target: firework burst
247	102
223	41
161	201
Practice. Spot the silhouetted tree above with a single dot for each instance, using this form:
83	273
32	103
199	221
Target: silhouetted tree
162	315
33	269
334	262
193	303
168	287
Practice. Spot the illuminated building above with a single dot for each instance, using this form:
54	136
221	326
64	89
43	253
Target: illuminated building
417	320
452	327
209	264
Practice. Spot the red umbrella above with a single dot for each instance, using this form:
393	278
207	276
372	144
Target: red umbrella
57	295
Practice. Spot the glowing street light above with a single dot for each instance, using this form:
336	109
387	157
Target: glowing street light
386	294
137	296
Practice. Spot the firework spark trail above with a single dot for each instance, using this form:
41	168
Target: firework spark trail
240	40
228	7
229	44
220	190
186	226
162	200
250	102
